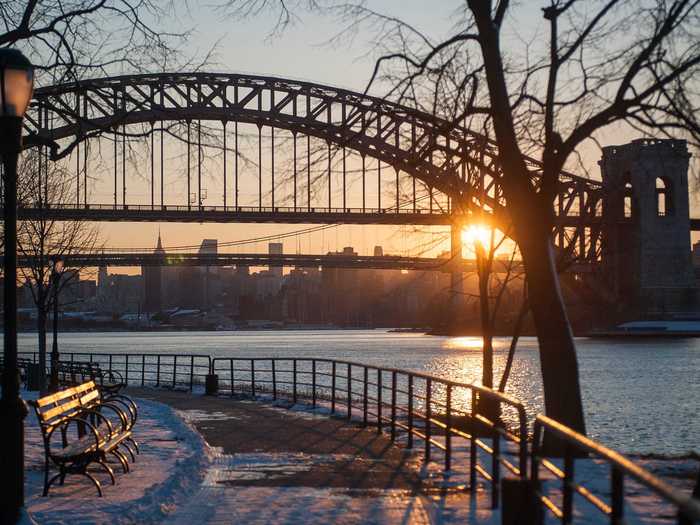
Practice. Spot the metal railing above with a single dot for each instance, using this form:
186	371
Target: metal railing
687	508
409	404
412	406
249	209
143	369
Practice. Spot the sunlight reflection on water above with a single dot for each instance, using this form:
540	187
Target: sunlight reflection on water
463	343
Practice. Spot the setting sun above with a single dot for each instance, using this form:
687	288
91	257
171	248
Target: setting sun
476	233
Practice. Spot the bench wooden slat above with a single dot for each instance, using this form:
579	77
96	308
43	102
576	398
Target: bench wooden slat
64	394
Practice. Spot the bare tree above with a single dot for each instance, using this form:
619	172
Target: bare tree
67	40
42	241
595	64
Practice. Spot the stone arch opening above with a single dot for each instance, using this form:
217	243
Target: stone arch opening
664	197
628	198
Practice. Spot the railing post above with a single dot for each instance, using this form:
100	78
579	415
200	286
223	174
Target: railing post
393	405
274	380
410	411
143	369
567	487
428	416
313	383
191	372
349	391
232	375
294	382
448	428
364	397
618	497
110	364
126	374
380	377
333	388
252	376
157	369
472	446
495	469
174	370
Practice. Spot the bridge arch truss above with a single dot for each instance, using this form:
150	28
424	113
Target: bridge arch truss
458	165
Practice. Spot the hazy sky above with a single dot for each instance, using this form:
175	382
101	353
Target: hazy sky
302	52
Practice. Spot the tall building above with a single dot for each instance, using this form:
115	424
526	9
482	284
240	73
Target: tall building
207	273
153	283
275	248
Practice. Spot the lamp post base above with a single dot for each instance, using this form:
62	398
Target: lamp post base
12	413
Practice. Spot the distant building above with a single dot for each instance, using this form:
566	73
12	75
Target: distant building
208	275
153	283
275	248
378	251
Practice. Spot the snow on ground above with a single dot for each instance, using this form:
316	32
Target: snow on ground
218	503
179	479
166	472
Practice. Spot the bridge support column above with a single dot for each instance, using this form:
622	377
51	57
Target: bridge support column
456	277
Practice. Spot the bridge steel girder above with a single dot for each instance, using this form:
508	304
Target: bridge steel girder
447	157
371	262
220	214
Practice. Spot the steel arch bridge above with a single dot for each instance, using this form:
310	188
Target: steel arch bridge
432	163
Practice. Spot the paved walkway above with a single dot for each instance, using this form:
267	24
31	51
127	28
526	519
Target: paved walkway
273	465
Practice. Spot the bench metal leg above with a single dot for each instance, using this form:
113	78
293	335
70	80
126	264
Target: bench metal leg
94	481
117	454
48	484
133	442
128	449
109	470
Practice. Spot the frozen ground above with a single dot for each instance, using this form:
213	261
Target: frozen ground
179	478
165	474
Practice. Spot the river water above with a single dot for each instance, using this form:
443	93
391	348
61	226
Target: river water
640	396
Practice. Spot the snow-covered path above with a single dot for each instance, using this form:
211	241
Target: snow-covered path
213	460
164	475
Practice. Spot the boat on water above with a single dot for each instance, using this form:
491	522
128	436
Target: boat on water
673	328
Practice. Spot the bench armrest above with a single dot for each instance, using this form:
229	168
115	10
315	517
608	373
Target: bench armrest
94	413
123	415
125	401
63	427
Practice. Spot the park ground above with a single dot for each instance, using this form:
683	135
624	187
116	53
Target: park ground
221	460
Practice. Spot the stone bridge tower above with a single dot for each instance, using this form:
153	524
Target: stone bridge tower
646	254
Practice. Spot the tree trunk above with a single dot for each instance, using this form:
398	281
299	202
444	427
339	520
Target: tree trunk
41	330
562	392
486	324
524	308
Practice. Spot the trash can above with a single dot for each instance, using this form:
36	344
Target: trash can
33	378
211	385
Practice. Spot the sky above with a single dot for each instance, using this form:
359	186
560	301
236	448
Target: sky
304	51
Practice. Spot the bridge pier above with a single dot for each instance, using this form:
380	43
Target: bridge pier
456	276
646	221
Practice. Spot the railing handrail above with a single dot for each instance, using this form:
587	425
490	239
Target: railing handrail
422	375
168	370
688	506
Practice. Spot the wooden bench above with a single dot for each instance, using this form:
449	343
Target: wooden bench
78	372
80	427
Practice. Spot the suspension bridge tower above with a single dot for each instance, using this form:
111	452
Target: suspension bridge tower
646	230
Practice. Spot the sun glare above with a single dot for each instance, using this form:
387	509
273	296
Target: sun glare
476	233
463	343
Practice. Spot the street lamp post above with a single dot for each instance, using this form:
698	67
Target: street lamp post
16	86
56	267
